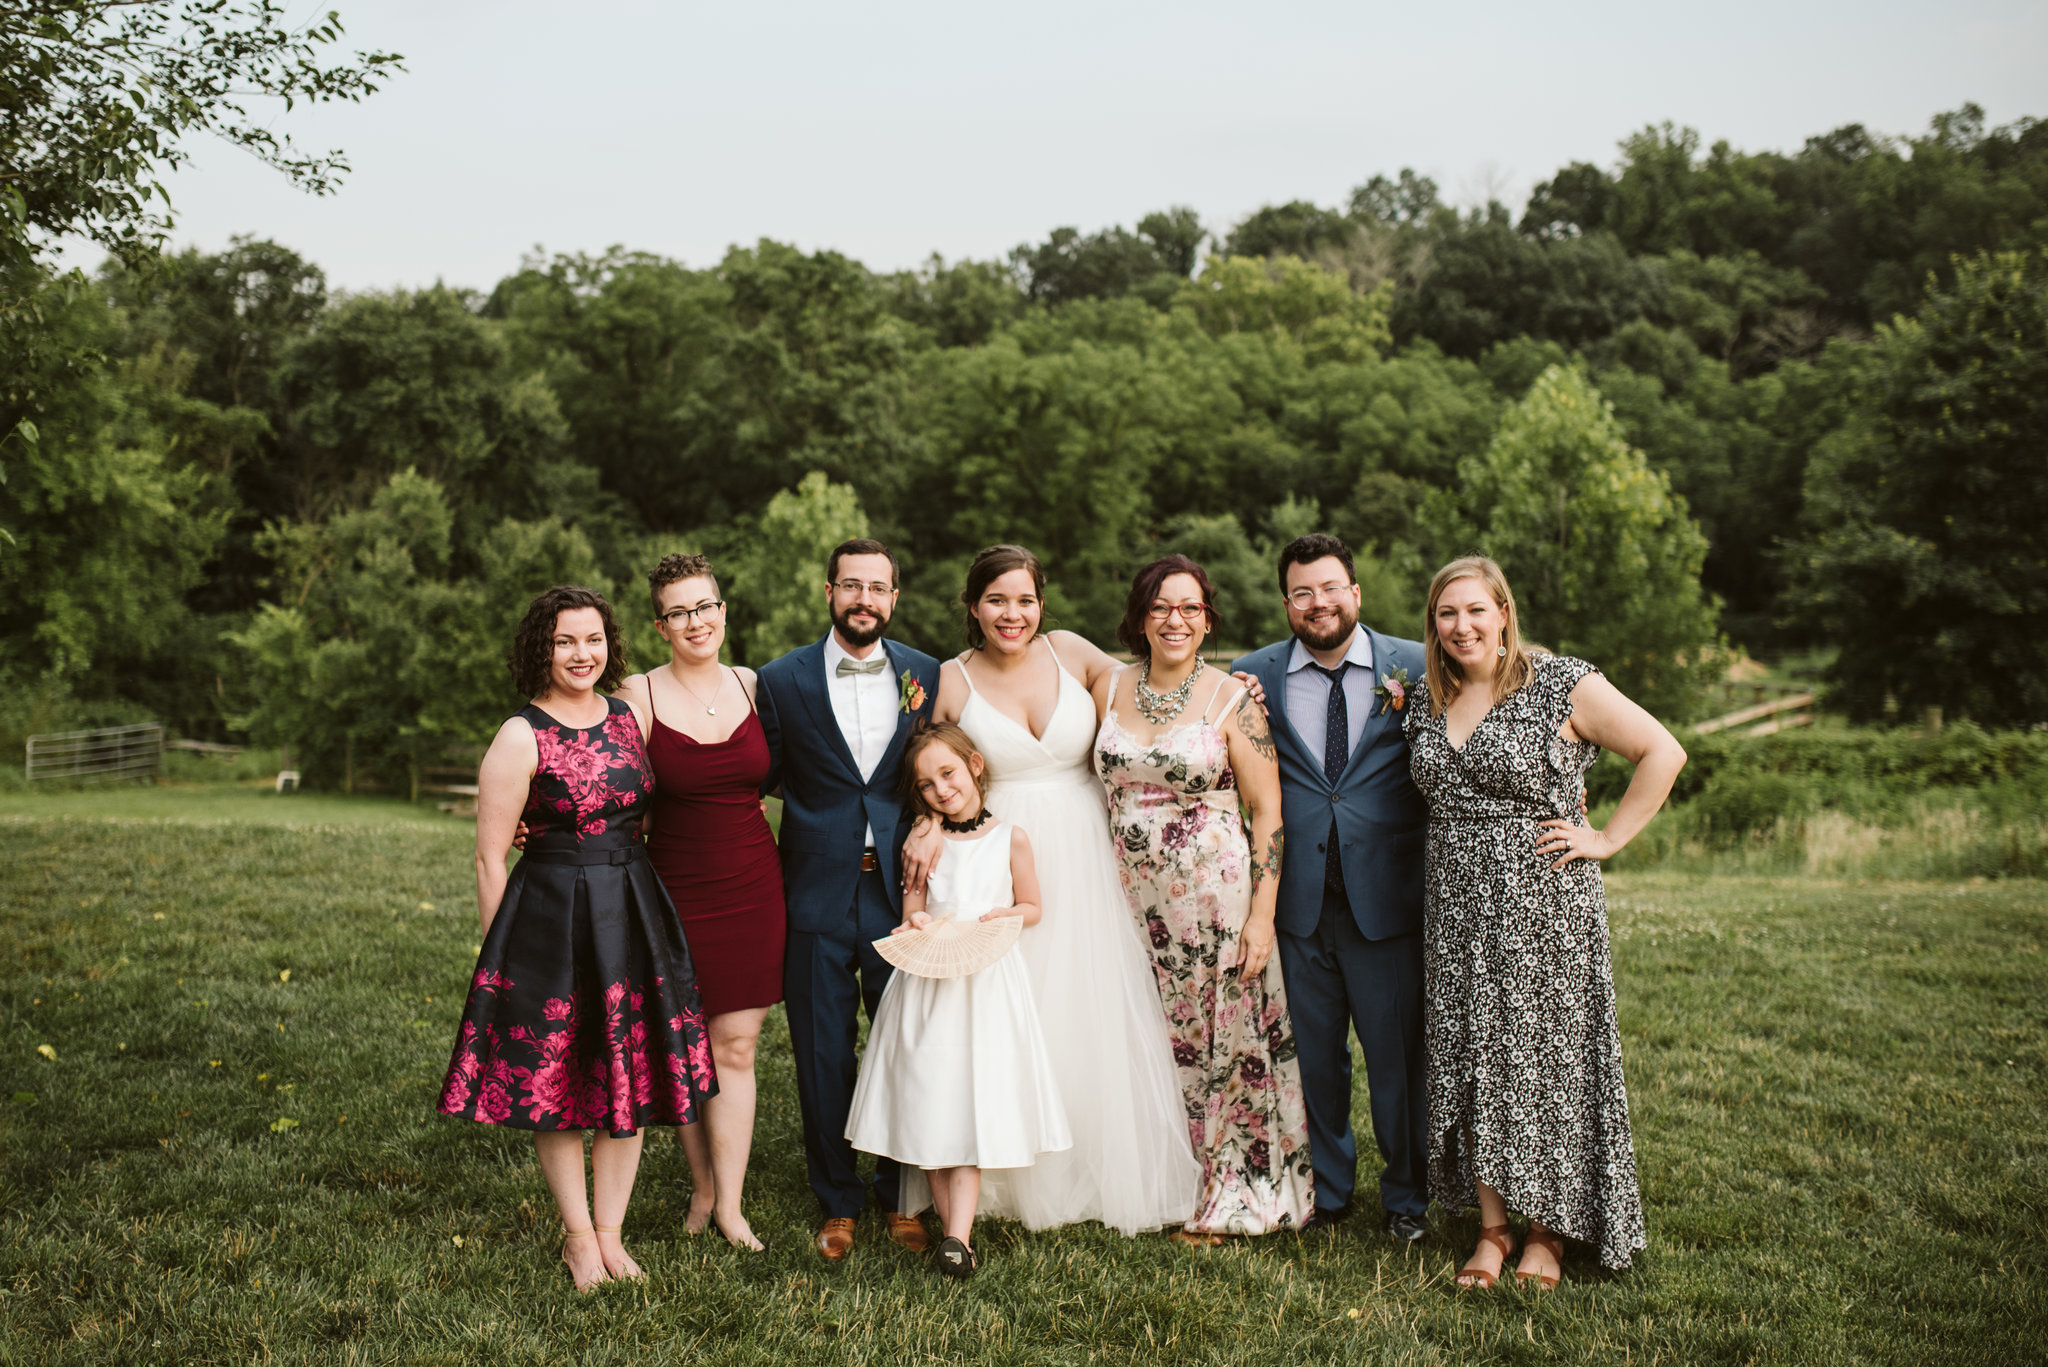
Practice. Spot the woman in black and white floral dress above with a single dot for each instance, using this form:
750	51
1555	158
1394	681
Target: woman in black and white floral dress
1527	1108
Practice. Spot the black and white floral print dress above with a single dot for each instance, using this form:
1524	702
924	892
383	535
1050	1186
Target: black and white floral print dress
1525	1083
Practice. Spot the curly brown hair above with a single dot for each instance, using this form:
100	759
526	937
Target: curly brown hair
928	734
532	656
990	565
673	569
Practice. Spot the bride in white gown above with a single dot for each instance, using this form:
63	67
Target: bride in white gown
1131	1166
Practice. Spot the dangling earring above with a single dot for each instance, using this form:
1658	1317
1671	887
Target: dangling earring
1500	652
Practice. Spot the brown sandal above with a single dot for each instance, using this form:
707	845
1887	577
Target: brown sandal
1552	1243
1501	1238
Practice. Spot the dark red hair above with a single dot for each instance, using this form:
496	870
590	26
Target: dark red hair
1144	588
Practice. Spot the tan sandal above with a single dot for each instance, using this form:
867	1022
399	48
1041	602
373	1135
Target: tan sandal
1470	1277
1192	1238
1552	1243
603	1275
631	1272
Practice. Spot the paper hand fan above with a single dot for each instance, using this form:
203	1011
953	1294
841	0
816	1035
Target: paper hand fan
951	949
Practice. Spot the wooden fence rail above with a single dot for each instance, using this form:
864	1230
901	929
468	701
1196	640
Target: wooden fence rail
1768	713
110	752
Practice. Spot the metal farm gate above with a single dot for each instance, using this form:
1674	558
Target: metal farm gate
111	752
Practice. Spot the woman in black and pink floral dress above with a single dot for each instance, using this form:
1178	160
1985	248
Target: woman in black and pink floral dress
583	1012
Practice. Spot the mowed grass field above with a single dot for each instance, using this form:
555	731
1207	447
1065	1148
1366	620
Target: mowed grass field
1838	1094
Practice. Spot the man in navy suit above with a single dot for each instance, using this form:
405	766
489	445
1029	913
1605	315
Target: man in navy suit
836	713
1350	913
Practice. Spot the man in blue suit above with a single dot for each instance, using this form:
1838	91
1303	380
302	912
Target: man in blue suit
836	713
1350	913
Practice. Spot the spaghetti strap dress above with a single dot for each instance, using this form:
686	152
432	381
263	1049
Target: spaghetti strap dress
1187	863
583	1012
714	853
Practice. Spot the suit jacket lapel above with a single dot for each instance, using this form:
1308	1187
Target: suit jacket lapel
1274	680
1377	718
818	697
904	719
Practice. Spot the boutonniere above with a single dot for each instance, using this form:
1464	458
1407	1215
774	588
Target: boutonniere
912	693
1394	688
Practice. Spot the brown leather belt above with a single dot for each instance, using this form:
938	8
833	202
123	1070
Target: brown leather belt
869	860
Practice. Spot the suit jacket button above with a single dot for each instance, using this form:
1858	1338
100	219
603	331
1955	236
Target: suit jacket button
1337	797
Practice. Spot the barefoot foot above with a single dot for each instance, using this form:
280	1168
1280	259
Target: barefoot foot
737	1231
700	1213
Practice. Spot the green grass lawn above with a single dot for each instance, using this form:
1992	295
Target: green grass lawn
1838	1095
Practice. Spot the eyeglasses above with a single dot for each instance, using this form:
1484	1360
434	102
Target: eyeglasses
1305	598
1187	612
678	618
853	588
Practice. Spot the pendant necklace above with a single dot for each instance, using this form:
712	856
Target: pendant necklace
709	710
963	827
1160	708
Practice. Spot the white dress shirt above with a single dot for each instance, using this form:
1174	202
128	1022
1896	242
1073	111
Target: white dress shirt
864	705
1308	695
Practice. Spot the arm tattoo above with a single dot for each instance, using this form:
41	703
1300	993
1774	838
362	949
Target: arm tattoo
1269	865
1251	721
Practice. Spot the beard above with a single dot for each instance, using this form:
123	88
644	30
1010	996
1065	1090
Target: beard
1331	633
861	637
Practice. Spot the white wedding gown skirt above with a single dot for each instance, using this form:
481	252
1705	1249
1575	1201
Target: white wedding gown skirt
1131	1165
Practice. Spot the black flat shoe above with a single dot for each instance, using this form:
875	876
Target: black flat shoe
1406	1228
956	1259
1325	1217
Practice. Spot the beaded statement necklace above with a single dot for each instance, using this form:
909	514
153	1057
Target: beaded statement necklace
1160	708
964	827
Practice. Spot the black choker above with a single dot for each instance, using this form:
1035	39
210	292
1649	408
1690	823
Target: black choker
963	827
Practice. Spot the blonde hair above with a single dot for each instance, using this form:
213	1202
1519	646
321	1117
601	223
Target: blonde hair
1446	676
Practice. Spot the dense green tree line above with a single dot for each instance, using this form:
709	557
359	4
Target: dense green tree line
1774	399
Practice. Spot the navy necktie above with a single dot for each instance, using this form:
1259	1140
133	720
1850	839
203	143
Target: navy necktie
1336	750
1336	723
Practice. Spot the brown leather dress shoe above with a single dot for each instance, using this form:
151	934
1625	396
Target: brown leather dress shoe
909	1231
835	1239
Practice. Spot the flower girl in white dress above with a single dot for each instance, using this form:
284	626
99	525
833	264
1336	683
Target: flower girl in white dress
956	1077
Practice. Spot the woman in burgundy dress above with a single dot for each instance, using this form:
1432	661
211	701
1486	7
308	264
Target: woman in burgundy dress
711	845
582	1013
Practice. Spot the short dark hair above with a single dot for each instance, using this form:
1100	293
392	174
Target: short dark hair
533	646
861	545
674	569
990	565
1306	550
1145	587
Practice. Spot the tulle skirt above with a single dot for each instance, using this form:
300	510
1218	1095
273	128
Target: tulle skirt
1131	1165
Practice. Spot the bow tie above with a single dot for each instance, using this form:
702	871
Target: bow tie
874	666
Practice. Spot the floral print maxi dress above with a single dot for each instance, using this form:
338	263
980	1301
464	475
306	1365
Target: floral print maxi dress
1525	1085
1186	865
583	1010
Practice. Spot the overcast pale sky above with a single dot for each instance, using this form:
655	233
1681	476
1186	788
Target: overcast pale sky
890	131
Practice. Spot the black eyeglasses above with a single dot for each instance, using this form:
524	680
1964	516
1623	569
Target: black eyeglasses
678	618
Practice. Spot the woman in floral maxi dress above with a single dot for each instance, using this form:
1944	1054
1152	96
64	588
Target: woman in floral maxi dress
1176	772
1528	1111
